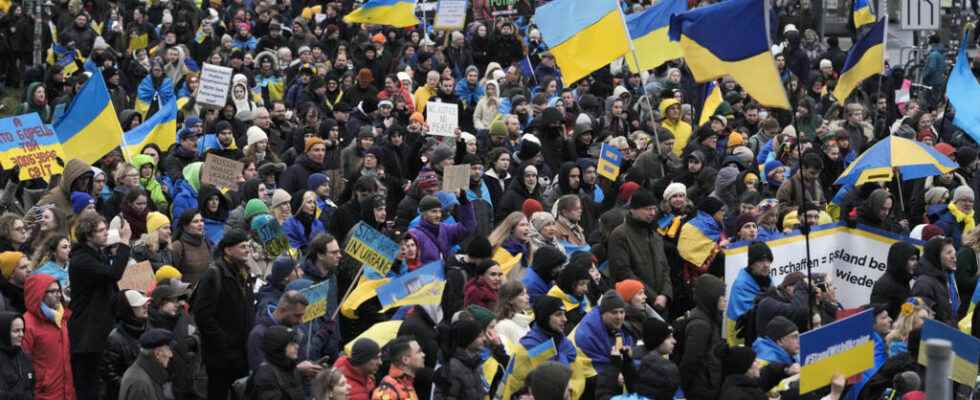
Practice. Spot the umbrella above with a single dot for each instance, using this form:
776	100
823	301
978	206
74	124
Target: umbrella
912	159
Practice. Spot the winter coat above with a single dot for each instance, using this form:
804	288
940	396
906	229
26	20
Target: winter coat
144	380
514	198
595	340
480	293
94	275
361	385
296	231
700	368
435	242
122	349
461	378
191	255
214	223
894	286
187	350
47	344
151	184
222	309
60	196
163	256
868	213
636	251
777	302
272	382
16	371
293	179
932	284
741	387
185	199
13	296
940	215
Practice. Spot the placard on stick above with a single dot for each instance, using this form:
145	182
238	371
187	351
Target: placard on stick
138	276
26	142
215	81
371	247
316	296
221	172
456	177
450	15
443	118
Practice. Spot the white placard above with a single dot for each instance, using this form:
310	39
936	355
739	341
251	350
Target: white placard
215	81
443	118
450	15
920	15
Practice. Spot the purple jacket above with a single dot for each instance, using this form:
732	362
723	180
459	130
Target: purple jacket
436	242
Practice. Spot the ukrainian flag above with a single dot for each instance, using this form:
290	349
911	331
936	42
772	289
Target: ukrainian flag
505	260
610	158
865	59
963	90
161	129
365	289
966	324
583	35
699	238
570	302
422	286
710	103
522	361
397	13
648	31
862	14
381	333
966	350
90	129
731	38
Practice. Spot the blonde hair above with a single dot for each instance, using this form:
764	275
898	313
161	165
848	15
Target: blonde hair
908	319
972	239
506	227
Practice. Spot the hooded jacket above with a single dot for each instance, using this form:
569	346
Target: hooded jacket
29	106
16	371
94	276
214	222
277	377
60	196
932	283
515	196
47	343
151	184
893	287
868	213
700	368
186	191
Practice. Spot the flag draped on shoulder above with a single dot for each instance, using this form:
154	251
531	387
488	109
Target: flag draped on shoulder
397	13
161	129
963	91
861	13
731	38
866	58
648	31
89	128
582	35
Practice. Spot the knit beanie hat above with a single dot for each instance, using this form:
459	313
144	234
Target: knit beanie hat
642	198
440	154
655	332
255	207
674	189
935	195
8	262
771	167
628	288
963	193
528	149
610	302
549	380
281	268
232	237
156	220
80	200
482	267
779	327
429	202
531	206
254	134
280	197
545	260
363	351
543	307
626	191
167	272
759	251
465	331
541	219
932	230
482	315
735	360
945	148
316	180
310	142
479	247
742	219
417	117
710	205
498	128
726	176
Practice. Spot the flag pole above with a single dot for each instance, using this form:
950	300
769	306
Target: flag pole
643	87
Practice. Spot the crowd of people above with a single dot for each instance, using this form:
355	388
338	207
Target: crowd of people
619	278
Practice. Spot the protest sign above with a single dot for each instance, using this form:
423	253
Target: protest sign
371	247
966	350
610	158
422	286
843	347
138	276
215	81
270	235
443	118
456	178
504	8
316	296
27	143
852	258
221	172
450	15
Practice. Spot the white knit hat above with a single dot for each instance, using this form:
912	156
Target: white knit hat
963	193
674	189
280	197
255	135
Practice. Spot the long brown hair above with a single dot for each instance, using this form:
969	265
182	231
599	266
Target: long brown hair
505	299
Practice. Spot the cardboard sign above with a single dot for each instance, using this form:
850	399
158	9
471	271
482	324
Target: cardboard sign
505	8
221	172
215	82
843	347
371	247
138	276
443	118
26	142
450	15
610	158
270	235
316	295
966	350
456	177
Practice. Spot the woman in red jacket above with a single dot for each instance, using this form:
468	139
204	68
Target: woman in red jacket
46	338
483	287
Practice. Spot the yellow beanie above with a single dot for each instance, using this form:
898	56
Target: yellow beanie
9	261
156	220
167	272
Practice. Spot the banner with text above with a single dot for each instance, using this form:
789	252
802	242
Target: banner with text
371	247
215	81
26	142
843	347
852	258
506	8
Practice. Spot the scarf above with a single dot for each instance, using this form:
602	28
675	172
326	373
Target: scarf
962	218
53	315
954	292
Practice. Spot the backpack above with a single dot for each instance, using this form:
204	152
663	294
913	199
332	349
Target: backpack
679	325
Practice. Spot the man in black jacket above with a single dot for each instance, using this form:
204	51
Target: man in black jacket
222	308
95	271
700	369
893	287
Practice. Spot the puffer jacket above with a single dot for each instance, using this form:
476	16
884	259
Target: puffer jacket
186	189
47	344
60	196
121	350
636	251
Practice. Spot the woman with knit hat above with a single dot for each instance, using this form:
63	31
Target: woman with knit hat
572	287
675	210
545	232
311	161
154	245
281	205
637	309
14	268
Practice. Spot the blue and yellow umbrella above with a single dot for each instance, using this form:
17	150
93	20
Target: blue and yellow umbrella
912	159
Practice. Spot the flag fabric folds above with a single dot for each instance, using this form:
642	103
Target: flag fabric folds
422	286
712	100
161	129
963	91
397	13
966	324
381	333
365	289
582	35
866	58
90	129
862	14
648	31
712	51
698	239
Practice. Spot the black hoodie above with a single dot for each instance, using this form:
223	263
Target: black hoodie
278	377
893	286
16	372
932	282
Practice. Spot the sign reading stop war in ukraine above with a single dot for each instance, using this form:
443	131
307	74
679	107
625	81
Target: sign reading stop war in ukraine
371	247
843	347
316	296
27	143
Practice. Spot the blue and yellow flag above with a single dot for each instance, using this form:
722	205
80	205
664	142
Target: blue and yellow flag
966	324
381	333
161	128
866	58
582	35
963	91
522	361
67	58
422	286
966	350
610	158
699	238
862	14
397	13
365	289
712	99
731	38
90	129
648	31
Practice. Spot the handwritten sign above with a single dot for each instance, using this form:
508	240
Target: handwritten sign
843	347
138	276
221	172
215	82
26	142
455	178
450	15
316	296
270	234
371	247
610	158
443	118
504	8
